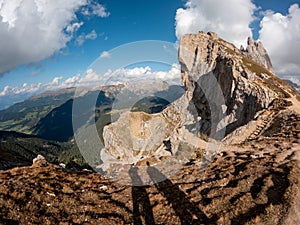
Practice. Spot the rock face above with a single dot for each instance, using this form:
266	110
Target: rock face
225	88
39	161
142	134
257	52
225	84
140	138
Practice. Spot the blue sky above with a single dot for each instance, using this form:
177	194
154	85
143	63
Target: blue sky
129	21
274	5
107	24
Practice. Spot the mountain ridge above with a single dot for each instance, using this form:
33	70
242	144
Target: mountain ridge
229	98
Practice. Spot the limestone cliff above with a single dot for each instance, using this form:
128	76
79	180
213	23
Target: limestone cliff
257	52
245	78
231	95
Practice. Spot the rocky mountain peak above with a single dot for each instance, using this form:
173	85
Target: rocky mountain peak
228	86
226	89
257	52
214	70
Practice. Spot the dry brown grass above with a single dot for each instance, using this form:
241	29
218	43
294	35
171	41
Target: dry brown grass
255	67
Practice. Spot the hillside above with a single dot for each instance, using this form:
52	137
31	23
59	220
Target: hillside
17	149
57	124
23	116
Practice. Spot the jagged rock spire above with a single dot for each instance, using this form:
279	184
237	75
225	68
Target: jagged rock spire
257	52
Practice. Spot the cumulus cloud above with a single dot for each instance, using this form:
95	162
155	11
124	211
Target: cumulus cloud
83	37
95	9
105	54
25	88
71	82
54	83
92	78
72	28
33	30
281	37
92	36
139	74
230	19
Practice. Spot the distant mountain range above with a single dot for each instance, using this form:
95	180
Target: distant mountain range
42	124
294	85
49	115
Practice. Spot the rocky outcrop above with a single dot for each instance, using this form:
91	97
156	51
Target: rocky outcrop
225	84
142	135
39	161
257	52
225	88
140	138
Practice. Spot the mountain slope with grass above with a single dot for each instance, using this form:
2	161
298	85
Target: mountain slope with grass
23	116
18	149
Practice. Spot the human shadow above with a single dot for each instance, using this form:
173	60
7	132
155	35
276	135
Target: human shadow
187	211
142	210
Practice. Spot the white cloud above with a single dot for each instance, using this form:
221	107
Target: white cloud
56	80
80	40
71	82
33	30
95	9
91	78
83	37
92	36
281	37
143	74
230	19
24	89
5	91
71	28
28	90
105	54
52	85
